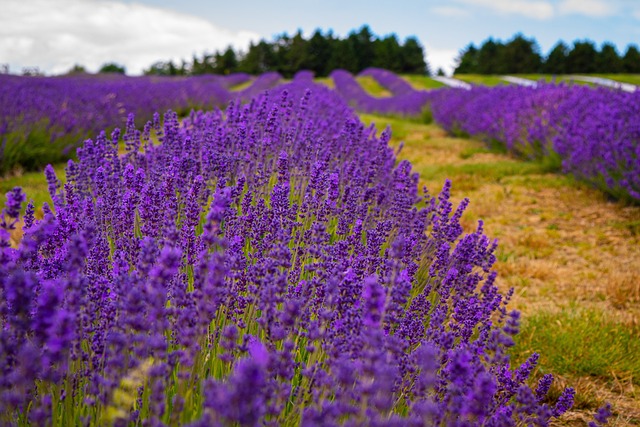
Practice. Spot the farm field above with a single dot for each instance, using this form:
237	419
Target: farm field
252	214
568	251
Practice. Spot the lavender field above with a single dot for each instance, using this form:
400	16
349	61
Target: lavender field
52	116
271	258
592	133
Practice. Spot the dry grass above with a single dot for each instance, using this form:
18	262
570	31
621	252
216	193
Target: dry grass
371	86
562	243
242	85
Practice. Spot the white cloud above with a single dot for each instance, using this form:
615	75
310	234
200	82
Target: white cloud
547	9
450	11
595	8
55	35
441	58
538	9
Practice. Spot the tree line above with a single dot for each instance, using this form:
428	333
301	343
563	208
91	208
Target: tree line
324	52
320	53
521	55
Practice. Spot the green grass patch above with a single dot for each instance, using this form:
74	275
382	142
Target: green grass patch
495	80
326	81
494	171
539	182
242	85
633	226
623	78
492	148
32	147
549	78
401	127
372	87
479	79
537	77
34	184
581	342
422	82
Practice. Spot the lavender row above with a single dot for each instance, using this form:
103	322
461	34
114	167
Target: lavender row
592	133
403	102
44	119
390	81
272	264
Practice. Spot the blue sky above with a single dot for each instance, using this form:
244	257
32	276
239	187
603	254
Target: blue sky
54	35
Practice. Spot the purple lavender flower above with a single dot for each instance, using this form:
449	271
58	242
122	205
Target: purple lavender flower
588	132
270	264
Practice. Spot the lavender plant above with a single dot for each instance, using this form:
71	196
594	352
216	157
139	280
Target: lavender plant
591	133
403	102
390	80
44	119
272	264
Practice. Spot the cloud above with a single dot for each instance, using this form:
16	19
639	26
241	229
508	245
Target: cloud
450	11
537	9
55	35
547	9
441	58
594	8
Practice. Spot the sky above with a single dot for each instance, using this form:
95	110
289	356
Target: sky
54	35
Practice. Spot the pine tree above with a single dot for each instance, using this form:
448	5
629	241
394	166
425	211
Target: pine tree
520	55
412	56
631	60
582	58
608	60
467	60
556	62
490	57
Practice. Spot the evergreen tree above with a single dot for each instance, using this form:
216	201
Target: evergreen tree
282	50
297	55
159	68
112	67
489	57
519	56
608	60
363	47
467	60
197	66
582	58
388	54
77	69
631	60
343	56
226	62
412	55
319	53
556	62
259	59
